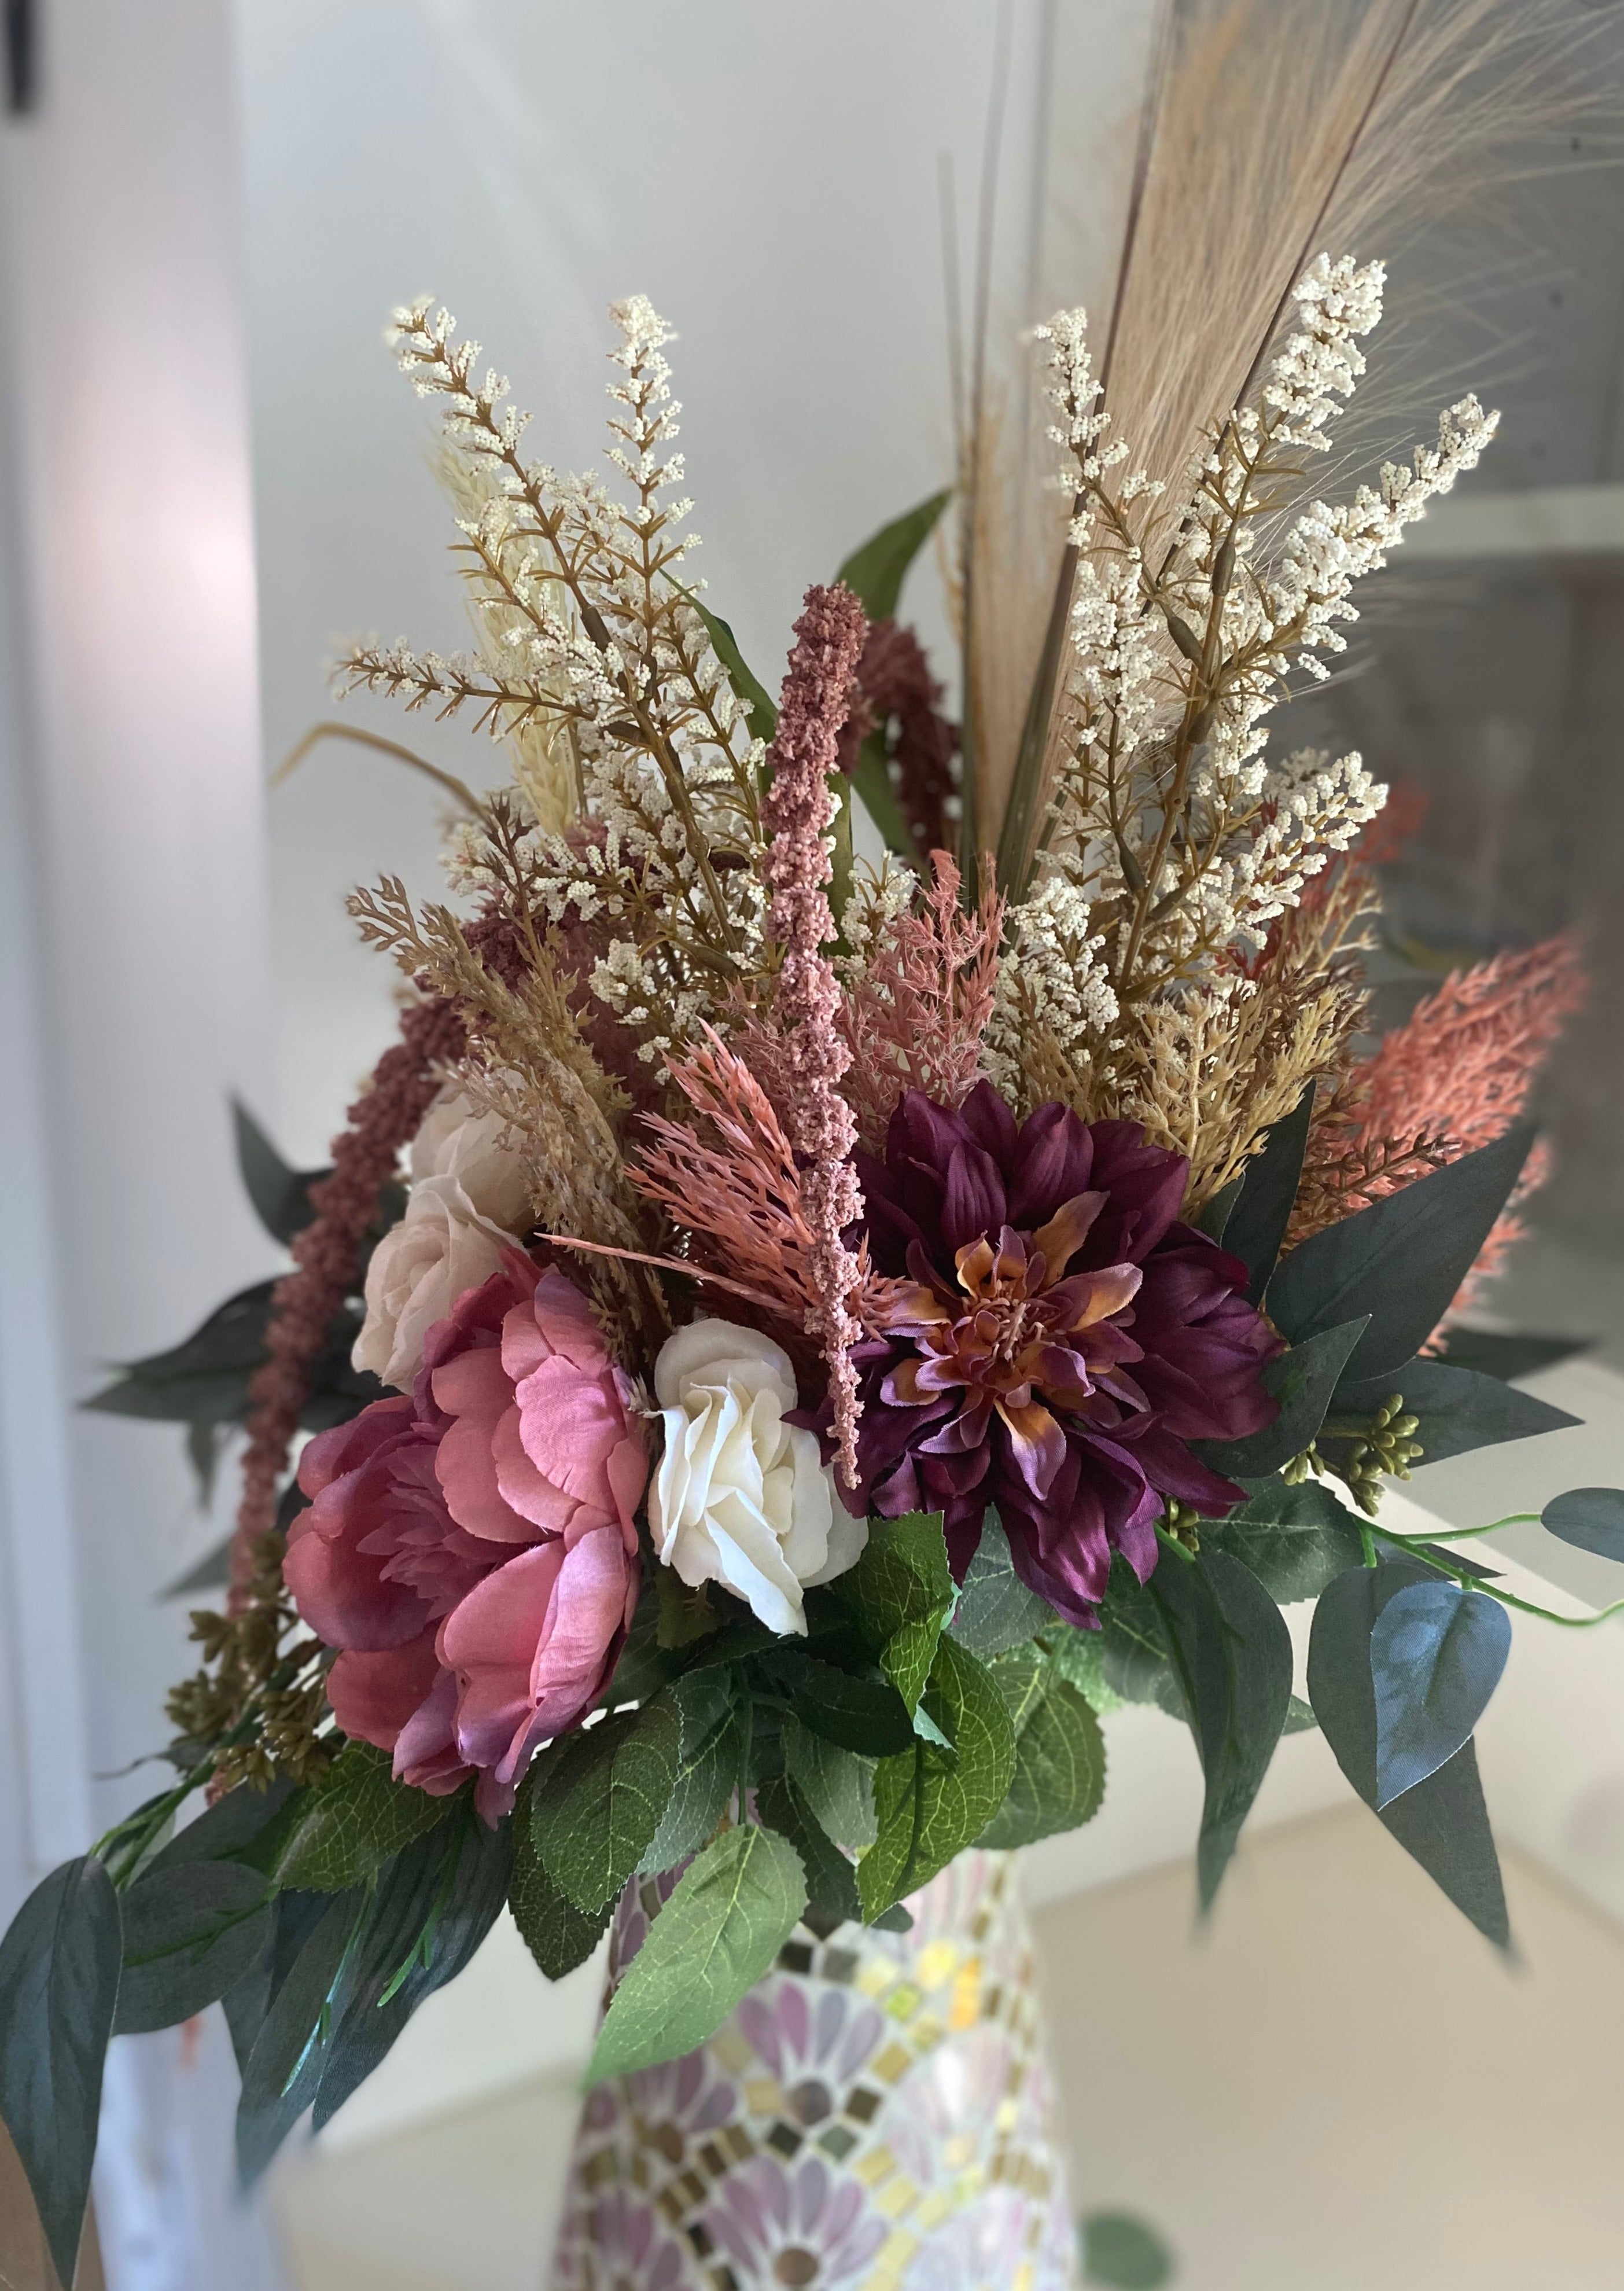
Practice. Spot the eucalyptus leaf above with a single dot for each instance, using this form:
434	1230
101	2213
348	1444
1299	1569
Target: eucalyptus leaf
872	779
1442	1821
281	1196
1121	2250
1295	1540
731	1912
837	1784
1494	1352
1059	1779
1402	1261
1302	1379
929	1805
284	2070
1437	1655
1592	1518
230	1830
1213	1217
901	1593
59	1991
996	1611
604	1800
1457	1410
875	573
191	1930
1255	1226
356	1818
1232	1654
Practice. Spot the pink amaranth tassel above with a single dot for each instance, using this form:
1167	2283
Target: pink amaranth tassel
797	813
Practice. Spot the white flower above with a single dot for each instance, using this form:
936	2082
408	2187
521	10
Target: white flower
741	1498
468	1202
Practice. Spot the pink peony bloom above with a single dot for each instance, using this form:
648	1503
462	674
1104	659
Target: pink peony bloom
472	1550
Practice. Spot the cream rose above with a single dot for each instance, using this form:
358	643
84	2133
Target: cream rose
741	1498
468	1202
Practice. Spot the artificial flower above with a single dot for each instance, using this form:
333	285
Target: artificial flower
470	1549
741	1496
1054	1339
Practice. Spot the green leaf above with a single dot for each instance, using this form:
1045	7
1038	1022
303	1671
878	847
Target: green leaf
871	777
1078	1657
1059	1778
901	1591
1458	1409
284	2069
1493	1353
1257	1225
1295	1540
832	1881
838	1785
685	1613
212	1572
281	1196
1121	2250
191	1930
752	694
1443	1821
1300	1718
1232	1653
732	1911
1133	1657
1213	1219
1019	1676
59	1991
867	1715
231	1830
356	1818
708	1768
875	573
995	1609
1592	1519
1437	1652
1402	1261
930	1806
558	1934
1302	1381
426	1916
596	1811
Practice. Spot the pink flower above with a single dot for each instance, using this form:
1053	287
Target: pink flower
472	1550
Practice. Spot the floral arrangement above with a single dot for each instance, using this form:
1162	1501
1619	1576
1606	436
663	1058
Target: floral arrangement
846	1324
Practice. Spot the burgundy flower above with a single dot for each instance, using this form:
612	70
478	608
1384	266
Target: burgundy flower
1053	1340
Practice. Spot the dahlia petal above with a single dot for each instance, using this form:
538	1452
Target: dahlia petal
1067	1231
973	1198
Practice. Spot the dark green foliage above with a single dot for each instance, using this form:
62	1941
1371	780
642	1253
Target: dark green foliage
597	1799
558	1934
832	1881
1590	1518
1133	1657
1456	1408
59	1991
931	1803
289	2051
1059	1777
995	1609
1442	1820
866	1715
1256	1224
1232	1654
355	1818
1401	1261
281	1196
1295	1540
1122	2251
875	573
1493	1353
1437	1655
754	698
1302	1381
900	1593
191	1930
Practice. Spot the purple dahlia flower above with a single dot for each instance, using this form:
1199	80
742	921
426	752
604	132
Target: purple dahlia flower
1053	1340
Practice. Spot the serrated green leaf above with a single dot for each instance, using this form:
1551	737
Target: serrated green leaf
1232	1653
996	1611
558	1934
597	1812
1059	1778
867	1715
1019	1676
1295	1540
685	1613
1133	1656
58	1991
708	1769
875	573
929	1806
832	1881
733	1910
1078	1658
355	1818
901	1592
838	1785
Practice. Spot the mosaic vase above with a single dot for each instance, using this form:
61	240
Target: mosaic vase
876	2115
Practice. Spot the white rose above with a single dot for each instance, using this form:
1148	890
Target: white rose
441	1248
741	1498
457	1140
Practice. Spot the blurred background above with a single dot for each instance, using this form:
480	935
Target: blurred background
210	475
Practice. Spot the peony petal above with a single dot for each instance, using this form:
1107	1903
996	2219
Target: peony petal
374	1695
